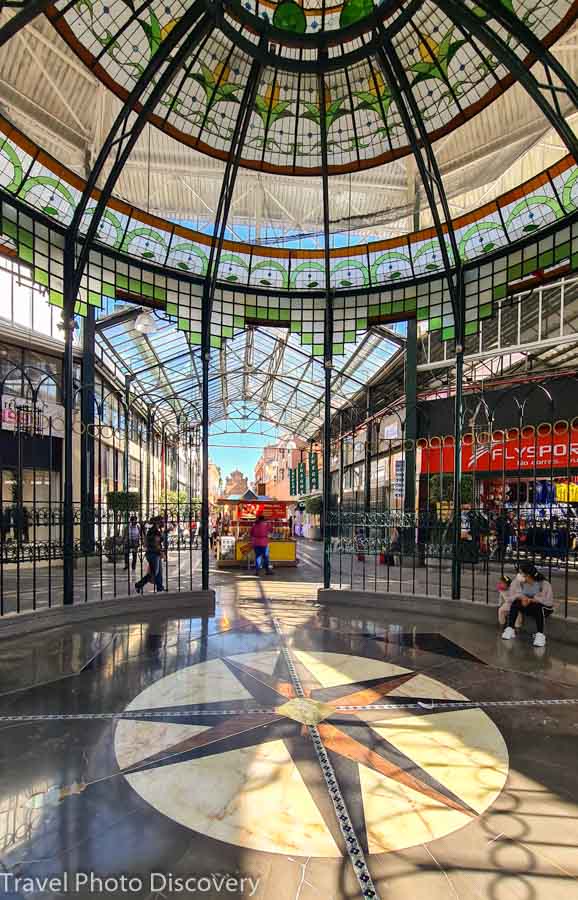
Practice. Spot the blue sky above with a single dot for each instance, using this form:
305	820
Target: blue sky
244	456
269	233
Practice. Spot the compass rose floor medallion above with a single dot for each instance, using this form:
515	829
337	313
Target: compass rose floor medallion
224	748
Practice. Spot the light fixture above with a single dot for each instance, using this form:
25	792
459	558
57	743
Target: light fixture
146	322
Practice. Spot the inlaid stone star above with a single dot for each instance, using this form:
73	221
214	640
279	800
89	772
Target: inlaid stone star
276	712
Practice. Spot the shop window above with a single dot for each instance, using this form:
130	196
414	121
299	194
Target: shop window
134	476
22	306
30	510
38	366
10	376
42	314
529	318
359	448
5	292
347	451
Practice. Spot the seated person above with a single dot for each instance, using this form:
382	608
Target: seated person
505	599
531	595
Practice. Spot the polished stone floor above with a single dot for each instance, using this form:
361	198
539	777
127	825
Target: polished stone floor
281	750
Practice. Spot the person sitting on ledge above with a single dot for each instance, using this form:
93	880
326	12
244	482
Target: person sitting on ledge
504	586
532	596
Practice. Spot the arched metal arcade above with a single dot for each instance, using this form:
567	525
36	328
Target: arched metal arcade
286	89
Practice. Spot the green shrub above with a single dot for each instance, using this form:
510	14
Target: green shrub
123	501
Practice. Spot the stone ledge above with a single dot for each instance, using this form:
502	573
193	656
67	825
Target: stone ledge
557	628
24	623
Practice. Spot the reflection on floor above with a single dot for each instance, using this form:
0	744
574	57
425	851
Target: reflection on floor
281	751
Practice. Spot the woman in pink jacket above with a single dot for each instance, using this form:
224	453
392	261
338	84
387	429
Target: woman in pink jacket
260	542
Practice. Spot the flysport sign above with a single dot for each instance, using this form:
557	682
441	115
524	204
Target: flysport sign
528	452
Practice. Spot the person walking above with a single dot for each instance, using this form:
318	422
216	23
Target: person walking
260	542
503	534
131	536
532	596
194	533
154	557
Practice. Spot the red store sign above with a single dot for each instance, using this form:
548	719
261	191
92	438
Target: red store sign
532	452
267	510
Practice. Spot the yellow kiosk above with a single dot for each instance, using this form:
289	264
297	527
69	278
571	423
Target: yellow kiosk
237	514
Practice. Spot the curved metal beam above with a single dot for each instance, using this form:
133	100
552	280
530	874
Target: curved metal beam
432	181
327	336
221	218
525	36
29	11
123	136
426	163
230	174
460	15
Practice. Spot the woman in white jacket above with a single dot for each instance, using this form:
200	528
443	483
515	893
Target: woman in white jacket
531	595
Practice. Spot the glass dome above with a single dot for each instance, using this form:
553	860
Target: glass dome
322	78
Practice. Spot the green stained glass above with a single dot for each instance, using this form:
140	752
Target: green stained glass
290	17
354	11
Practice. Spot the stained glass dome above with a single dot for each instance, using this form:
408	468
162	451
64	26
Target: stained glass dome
321	71
314	16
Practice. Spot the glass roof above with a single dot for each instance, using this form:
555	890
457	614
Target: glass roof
262	374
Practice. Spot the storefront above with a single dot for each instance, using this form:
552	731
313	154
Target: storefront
523	482
30	473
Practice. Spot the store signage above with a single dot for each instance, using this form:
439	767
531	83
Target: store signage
19	414
359	449
301	478
390	428
250	511
313	472
399	483
292	482
539	452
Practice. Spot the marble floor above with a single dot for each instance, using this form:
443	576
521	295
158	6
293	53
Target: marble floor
284	751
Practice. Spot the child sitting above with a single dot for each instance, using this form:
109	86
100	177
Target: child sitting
531	594
505	597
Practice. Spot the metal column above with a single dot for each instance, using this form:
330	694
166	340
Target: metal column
410	430
221	218
87	401
127	383
367	460
68	402
327	333
430	174
327	351
457	492
205	359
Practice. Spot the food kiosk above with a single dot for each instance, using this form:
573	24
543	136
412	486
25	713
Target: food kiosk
237	514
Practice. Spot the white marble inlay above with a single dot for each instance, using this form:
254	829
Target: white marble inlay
256	797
